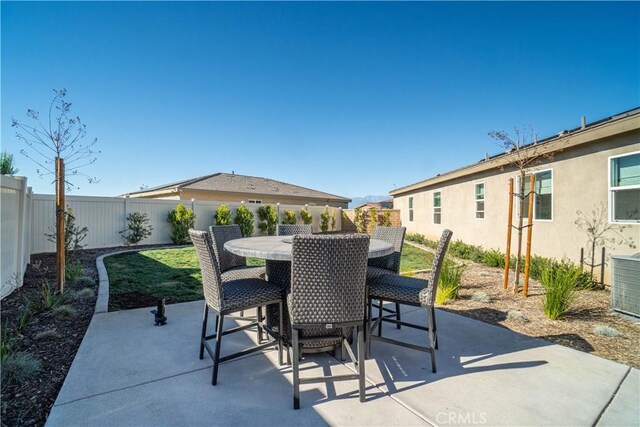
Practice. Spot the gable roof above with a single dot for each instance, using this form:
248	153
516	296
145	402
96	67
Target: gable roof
229	182
626	121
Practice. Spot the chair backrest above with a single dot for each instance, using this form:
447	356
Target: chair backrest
222	234
436	267
293	229
328	274
395	236
211	281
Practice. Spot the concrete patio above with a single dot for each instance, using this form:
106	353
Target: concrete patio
130	372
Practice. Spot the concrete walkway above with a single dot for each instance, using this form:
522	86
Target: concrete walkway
130	372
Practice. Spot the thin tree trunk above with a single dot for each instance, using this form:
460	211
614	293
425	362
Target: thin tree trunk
60	219
518	258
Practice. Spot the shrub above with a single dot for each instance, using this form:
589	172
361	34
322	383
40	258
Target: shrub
47	300
462	250
333	220
138	228
493	258
48	335
373	218
268	219
65	311
73	235
480	297
324	220
23	319
449	281
517	316
19	367
289	218
560	283
6	164
306	217
244	218
419	238
386	219
181	220
73	270
86	293
359	221
223	215
606	331
83	282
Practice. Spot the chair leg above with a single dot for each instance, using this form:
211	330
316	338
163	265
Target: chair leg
432	349
435	330
205	318
398	315
296	369
342	341
280	333
219	325
368	330
380	314
361	377
260	335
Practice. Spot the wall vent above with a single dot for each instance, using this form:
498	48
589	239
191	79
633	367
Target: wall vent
625	286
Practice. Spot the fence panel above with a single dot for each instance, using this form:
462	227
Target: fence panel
15	211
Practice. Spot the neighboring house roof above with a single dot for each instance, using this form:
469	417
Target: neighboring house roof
385	204
620	123
228	182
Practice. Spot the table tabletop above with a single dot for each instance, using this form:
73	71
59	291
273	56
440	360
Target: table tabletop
278	248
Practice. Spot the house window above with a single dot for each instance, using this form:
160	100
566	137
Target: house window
437	208
410	209
543	197
479	197
624	188
258	202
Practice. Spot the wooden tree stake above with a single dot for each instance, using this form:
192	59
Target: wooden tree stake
505	283
60	219
527	262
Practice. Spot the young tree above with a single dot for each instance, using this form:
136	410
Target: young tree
50	145
522	152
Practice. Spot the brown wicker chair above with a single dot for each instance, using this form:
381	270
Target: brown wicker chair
328	274
293	229
225	297
410	291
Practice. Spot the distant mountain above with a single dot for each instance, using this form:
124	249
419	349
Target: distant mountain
357	201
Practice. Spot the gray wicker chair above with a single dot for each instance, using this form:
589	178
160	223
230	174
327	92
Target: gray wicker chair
328	274
388	264
225	297
232	266
293	229
410	291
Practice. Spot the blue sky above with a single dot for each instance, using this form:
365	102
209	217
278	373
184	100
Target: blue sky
349	98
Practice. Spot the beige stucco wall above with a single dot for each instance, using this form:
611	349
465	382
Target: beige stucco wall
225	196
579	182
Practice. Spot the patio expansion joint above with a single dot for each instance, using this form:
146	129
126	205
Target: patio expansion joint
613	395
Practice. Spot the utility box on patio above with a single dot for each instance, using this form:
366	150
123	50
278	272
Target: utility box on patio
625	286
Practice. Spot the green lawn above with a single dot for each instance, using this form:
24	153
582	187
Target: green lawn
137	279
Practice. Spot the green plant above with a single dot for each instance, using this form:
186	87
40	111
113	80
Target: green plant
373	219
480	297
517	316
23	319
493	258
462	250
65	311
560	283
359	220
268	219
449	281
47	299
244	218
223	215
138	228
19	367
73	235
6	164
333	220
6	340
306	217
289	218
86	293
386	219
83	281
606	331
324	220
181	220
48	335
73	270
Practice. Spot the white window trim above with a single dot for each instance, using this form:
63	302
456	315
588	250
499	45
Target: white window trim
610	189
433	216
475	205
534	196
410	202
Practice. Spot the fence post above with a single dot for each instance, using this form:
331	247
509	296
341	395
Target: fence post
126	211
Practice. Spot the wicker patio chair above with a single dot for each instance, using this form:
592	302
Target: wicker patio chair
328	274
232	266
410	291
388	264
225	297
293	229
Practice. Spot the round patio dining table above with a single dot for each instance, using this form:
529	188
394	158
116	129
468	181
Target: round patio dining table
276	251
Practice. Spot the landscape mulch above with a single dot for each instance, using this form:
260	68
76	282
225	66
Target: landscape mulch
28	403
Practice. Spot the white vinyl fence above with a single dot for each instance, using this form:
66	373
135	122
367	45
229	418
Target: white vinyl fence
15	220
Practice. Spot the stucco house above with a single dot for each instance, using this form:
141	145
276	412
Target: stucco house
229	187
595	165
